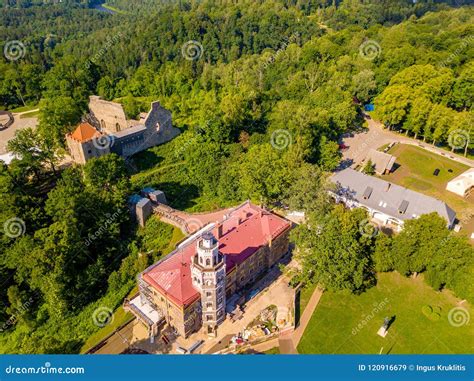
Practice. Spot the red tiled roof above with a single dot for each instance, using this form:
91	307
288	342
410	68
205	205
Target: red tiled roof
84	132
172	276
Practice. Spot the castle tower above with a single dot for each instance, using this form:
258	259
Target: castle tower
208	276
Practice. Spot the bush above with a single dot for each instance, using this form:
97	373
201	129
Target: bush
432	313
427	311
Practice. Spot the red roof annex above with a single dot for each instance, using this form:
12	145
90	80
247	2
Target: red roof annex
84	132
172	276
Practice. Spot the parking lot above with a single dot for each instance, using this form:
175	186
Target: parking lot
8	133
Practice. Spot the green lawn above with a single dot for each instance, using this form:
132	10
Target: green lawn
163	167
114	9
31	114
415	171
24	108
344	323
417	166
120	318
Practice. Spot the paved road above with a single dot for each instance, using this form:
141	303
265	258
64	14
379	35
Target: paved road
18	124
119	341
377	136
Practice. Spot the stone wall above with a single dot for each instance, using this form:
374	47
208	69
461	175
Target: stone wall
108	117
82	152
159	126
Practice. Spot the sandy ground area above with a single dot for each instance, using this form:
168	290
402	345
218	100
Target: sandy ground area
9	133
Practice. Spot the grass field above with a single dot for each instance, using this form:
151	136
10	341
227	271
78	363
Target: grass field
24	108
31	114
163	167
120	318
344	323
415	171
114	9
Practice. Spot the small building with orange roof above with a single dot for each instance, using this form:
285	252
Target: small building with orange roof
85	142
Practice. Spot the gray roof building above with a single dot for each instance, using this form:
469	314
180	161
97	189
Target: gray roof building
383	162
383	197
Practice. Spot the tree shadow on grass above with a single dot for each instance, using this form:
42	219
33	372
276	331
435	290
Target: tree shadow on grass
179	196
146	160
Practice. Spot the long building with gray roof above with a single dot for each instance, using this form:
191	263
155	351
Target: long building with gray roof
389	203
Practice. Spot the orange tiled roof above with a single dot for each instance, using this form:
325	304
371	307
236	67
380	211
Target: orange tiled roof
84	132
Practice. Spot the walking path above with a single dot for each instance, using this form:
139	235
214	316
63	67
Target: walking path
25	112
188	222
307	314
266	346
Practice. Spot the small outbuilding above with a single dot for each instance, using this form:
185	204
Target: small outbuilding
463	184
383	162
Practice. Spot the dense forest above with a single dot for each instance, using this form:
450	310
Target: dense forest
261	91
